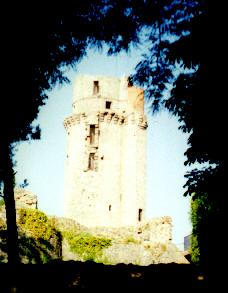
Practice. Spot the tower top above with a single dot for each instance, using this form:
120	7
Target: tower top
98	89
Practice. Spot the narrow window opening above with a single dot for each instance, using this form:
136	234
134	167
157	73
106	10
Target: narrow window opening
110	207
108	104
91	165
92	134
140	215
95	87
130	82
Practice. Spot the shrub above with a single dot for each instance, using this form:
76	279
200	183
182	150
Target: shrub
36	224
2	202
204	213
88	247
40	242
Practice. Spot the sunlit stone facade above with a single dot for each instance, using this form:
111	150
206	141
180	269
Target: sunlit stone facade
105	174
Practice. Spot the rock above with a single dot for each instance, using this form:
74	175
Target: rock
25	199
172	254
143	255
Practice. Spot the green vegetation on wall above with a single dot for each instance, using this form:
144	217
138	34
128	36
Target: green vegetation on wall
203	215
39	240
36	224
85	245
2	202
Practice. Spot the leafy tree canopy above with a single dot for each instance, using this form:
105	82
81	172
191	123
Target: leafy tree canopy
186	53
41	41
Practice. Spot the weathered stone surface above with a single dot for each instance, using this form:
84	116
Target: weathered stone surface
25	199
172	254
157	229
129	246
112	192
143	254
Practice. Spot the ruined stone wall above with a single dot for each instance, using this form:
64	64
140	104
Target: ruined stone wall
113	193
154	230
25	199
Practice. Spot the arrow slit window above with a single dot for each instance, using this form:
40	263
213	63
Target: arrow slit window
95	87
92	134
91	163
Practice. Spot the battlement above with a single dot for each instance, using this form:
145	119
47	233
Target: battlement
108	117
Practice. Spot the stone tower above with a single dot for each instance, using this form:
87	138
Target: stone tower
106	153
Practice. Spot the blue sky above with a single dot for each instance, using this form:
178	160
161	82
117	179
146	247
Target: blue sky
42	162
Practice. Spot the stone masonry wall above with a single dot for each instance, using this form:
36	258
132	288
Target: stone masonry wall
155	230
113	193
25	199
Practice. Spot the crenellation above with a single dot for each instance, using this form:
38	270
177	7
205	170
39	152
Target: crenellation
108	117
72	120
115	118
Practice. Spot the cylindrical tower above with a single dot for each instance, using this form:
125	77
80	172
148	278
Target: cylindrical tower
105	167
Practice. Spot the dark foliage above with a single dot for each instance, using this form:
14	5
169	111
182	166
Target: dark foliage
187	51
44	41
